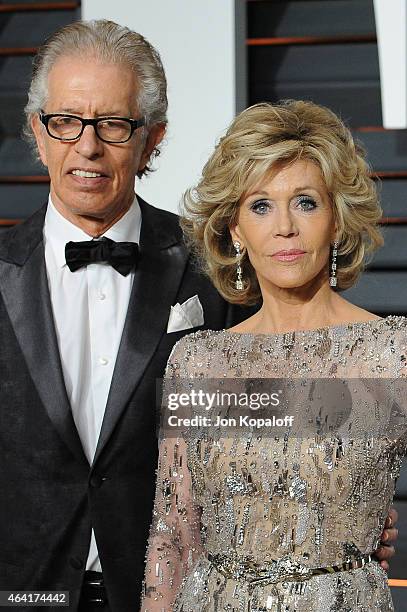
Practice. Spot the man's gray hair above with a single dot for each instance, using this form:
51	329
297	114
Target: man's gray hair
111	43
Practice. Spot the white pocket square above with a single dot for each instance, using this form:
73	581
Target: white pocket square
186	315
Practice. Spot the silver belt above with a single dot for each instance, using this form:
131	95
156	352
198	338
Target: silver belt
280	570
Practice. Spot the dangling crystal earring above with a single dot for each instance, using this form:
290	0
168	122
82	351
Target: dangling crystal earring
238	282
332	278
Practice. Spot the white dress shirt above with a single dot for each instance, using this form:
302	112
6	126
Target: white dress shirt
89	308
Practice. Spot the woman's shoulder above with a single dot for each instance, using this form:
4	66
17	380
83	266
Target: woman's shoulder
394	329
374	329
392	325
193	349
394	321
378	346
201	337
376	335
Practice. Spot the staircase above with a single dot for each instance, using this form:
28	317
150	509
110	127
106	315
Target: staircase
24	182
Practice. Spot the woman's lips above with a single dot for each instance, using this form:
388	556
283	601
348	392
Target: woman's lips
290	255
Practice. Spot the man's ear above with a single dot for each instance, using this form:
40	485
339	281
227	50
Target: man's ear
155	136
37	128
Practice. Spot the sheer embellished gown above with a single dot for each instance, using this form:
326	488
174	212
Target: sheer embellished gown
245	521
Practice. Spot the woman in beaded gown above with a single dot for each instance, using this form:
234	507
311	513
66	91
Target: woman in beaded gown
245	520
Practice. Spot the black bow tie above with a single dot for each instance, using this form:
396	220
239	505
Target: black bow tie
122	256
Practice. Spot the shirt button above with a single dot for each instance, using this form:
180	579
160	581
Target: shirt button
103	361
102	296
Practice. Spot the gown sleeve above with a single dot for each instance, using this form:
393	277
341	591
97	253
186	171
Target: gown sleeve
174	541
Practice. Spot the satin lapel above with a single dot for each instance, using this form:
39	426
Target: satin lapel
24	288
162	262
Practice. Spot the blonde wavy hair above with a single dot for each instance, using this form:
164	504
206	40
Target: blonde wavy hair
258	139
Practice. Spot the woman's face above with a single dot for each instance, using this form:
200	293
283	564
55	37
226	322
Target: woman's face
287	225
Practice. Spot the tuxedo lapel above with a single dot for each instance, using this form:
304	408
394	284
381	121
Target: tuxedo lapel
163	257
24	288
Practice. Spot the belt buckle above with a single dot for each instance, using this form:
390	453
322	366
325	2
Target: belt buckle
280	570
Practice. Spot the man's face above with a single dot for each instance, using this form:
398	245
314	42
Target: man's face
89	89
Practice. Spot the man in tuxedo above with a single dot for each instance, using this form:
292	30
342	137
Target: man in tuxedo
85	325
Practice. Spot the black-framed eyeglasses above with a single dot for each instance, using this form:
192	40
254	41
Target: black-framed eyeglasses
113	130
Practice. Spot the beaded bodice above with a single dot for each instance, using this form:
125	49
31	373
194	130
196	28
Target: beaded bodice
316	500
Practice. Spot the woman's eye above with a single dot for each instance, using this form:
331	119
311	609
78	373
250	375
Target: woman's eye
306	203
261	207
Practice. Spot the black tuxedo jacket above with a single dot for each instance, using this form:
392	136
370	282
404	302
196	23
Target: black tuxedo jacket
49	495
